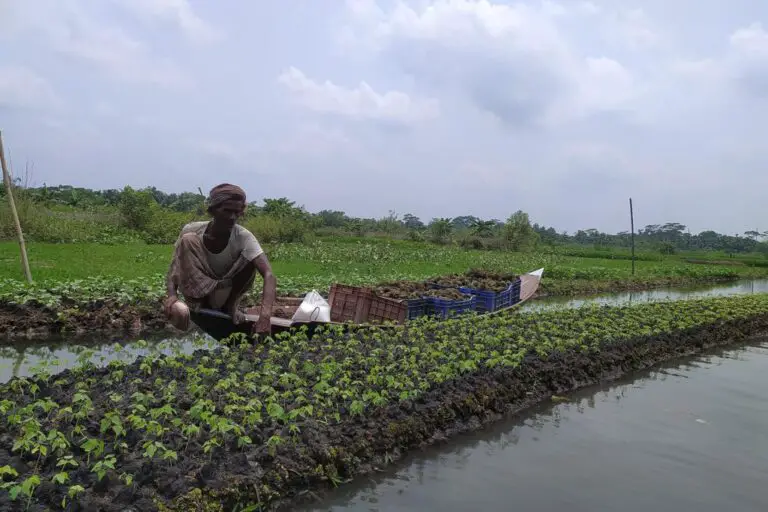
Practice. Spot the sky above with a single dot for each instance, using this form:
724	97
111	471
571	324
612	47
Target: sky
438	108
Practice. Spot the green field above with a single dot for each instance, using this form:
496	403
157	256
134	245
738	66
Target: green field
136	271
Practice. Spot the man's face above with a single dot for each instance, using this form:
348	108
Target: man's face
227	213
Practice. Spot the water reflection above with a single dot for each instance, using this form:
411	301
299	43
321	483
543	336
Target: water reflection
19	359
686	436
671	293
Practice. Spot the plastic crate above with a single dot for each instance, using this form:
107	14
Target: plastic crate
383	310
488	301
349	303
517	286
445	308
418	307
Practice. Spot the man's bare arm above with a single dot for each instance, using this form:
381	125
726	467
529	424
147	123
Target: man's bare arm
270	282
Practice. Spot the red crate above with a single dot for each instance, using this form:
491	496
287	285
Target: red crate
349	303
383	310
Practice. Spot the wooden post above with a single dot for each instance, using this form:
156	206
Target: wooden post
9	192
632	225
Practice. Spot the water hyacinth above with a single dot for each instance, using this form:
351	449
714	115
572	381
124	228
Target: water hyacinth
130	274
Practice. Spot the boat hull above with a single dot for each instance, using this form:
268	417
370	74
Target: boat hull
221	327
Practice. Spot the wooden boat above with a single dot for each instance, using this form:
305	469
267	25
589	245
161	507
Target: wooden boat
219	325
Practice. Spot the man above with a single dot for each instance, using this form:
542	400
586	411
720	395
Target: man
215	261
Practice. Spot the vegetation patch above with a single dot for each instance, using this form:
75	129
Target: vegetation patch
245	426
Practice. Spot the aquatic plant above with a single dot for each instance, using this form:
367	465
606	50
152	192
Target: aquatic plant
73	275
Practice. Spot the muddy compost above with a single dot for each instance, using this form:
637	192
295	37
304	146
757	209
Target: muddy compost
446	287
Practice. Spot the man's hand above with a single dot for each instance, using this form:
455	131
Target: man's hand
238	316
168	303
263	325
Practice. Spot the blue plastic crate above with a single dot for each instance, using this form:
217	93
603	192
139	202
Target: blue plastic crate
445	308
418	307
515	291
488	301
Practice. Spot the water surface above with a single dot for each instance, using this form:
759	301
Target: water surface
689	437
21	358
745	287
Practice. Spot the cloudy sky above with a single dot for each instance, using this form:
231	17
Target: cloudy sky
433	107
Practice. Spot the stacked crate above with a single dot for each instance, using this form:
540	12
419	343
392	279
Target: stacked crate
360	305
488	301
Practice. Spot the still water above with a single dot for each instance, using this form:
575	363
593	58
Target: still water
692	436
615	298
21	359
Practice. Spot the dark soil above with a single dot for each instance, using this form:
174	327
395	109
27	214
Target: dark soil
322	454
33	320
400	290
446	285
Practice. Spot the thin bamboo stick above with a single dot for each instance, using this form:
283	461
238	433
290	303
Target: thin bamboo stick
9	192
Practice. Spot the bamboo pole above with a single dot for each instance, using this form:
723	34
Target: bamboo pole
9	192
632	224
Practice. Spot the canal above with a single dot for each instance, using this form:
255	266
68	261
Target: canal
59	353
688	436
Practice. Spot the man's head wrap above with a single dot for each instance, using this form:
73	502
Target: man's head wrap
223	193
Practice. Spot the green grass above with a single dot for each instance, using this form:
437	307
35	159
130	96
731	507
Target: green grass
301	267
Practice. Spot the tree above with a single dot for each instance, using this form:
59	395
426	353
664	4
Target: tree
282	207
440	229
136	207
483	228
332	218
412	222
518	232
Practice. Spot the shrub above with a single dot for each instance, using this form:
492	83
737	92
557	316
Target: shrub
270	229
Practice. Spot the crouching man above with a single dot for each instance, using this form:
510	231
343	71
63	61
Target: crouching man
215	263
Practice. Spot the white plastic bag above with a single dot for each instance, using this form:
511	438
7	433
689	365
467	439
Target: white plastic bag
314	308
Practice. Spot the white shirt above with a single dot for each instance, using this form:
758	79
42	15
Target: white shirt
241	241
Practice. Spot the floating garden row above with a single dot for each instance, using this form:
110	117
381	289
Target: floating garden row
246	426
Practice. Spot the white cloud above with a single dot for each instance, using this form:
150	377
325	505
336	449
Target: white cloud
738	74
178	12
362	102
78	29
749	59
121	56
751	40
21	87
511	60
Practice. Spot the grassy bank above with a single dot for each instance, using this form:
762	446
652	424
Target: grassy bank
85	271
240	427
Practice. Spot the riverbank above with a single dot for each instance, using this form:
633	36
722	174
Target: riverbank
247	426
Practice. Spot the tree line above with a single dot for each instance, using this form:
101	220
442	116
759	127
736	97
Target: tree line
283	220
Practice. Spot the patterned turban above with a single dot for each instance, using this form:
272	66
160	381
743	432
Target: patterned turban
223	193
